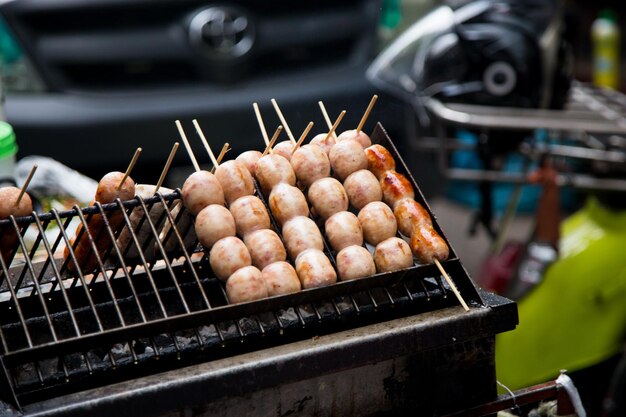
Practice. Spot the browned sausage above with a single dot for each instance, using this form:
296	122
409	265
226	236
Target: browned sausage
395	187
379	160
107	192
427	245
410	213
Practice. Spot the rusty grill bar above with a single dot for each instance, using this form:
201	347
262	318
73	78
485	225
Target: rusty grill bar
137	315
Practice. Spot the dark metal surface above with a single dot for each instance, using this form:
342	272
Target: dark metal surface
236	377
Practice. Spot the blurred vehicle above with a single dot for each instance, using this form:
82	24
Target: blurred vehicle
92	80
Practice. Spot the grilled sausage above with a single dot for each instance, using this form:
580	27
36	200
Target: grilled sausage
310	163
427	245
379	160
249	159
249	214
395	187
235	180
201	189
301	233
284	149
410	213
213	223
360	137
327	197
246	284
314	269
343	229
227	256
287	202
281	278
273	169
265	247
362	187
355	262
392	254
321	141
347	157
107	192
378	222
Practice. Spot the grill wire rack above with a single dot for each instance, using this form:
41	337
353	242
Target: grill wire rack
153	303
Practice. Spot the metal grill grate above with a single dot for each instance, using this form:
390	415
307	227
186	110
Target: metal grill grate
160	307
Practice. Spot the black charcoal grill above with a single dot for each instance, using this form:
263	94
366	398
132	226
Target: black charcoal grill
155	334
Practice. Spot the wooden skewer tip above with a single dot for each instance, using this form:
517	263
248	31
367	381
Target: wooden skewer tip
205	143
451	284
25	186
183	136
367	113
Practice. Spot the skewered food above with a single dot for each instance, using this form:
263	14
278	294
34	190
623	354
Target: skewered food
392	254
378	222
362	187
265	247
281	278
327	197
355	262
343	229
314	269
227	256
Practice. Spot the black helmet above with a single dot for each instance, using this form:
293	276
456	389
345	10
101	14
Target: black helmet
483	52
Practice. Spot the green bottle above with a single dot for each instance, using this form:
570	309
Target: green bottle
605	36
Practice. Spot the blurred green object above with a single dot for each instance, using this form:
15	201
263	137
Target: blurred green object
391	16
575	318
10	51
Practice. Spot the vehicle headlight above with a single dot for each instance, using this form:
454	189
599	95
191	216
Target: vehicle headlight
18	74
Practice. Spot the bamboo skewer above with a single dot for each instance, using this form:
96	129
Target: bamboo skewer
304	134
334	126
367	113
205	143
268	148
223	153
325	114
167	167
187	146
130	168
23	190
259	119
283	121
451	284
